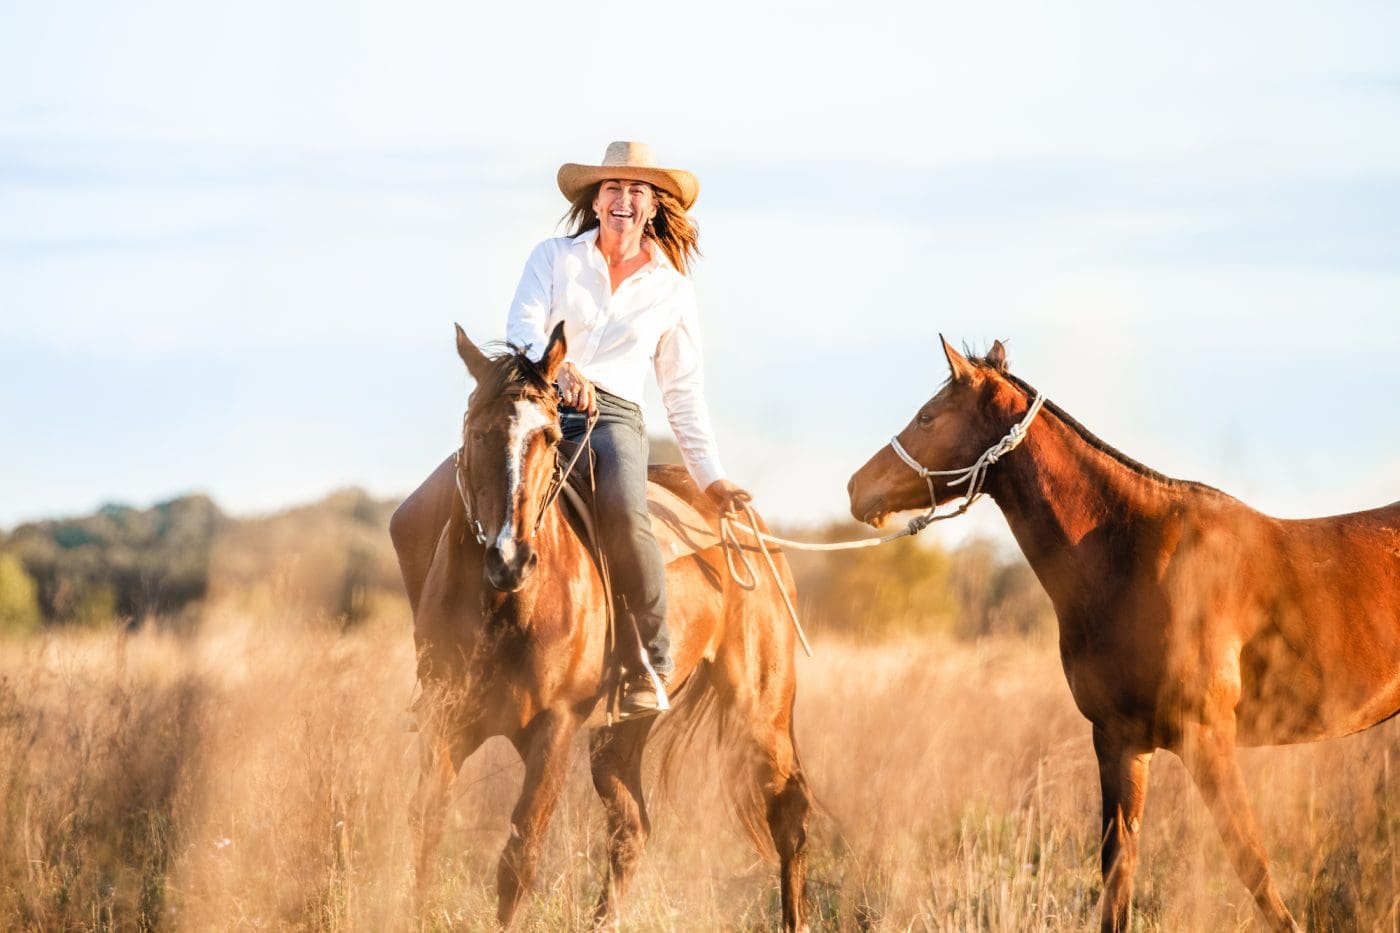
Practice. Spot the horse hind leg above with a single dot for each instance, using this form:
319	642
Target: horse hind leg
615	756
1208	751
789	804
785	803
764	704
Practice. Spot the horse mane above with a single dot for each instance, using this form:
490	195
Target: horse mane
513	373
1089	437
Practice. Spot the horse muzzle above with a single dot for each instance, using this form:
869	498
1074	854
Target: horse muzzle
867	502
870	510
509	565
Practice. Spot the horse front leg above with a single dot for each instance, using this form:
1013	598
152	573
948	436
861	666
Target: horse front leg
444	742
1208	750
545	747
1123	783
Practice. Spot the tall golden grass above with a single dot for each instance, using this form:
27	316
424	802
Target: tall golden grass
257	775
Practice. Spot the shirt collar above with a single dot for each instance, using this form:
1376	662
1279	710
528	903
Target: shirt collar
589	238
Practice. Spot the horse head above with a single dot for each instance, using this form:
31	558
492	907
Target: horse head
970	412
506	461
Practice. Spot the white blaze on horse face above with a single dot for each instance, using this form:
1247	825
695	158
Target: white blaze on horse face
529	418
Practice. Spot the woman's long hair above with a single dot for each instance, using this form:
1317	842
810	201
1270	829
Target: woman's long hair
671	228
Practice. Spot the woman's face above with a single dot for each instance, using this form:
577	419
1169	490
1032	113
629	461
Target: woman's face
624	206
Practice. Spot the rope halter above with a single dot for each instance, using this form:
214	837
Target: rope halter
973	475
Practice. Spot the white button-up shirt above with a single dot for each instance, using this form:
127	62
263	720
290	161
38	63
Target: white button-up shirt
613	337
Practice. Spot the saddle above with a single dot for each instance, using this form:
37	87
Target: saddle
683	519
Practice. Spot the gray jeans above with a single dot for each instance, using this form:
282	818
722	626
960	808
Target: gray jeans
620	452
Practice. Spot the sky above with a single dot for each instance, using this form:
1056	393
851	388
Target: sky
234	237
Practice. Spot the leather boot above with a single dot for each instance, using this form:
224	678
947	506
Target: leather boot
641	697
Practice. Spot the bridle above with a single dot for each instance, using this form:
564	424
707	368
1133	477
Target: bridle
561	476
458	462
974	475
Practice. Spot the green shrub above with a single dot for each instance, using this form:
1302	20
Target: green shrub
19	598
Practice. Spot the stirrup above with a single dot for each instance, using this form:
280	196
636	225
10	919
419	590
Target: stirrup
644	694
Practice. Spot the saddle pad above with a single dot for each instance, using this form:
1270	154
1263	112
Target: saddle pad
679	527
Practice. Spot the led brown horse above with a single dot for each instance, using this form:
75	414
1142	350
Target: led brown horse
512	640
1188	621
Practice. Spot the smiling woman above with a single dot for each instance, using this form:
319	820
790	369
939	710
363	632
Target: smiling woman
618	286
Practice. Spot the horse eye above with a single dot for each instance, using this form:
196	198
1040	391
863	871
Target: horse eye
925	419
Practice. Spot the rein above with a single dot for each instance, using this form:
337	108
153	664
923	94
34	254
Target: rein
562	476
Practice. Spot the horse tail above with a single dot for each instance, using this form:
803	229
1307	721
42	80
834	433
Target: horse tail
698	711
706	704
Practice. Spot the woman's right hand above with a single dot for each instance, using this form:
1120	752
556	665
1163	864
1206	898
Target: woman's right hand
574	390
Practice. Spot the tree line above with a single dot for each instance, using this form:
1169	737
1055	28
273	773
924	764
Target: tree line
332	560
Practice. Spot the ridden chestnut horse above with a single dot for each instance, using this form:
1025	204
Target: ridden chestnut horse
512	640
1188	621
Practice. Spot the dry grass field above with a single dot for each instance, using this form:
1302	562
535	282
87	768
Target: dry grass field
256	776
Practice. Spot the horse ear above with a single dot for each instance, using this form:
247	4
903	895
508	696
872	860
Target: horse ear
957	363
554	352
477	363
996	356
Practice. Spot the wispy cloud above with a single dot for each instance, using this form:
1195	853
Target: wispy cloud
166	165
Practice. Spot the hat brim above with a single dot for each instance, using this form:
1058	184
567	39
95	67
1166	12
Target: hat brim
574	179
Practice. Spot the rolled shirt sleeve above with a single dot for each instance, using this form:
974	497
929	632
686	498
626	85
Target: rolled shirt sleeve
528	320
681	378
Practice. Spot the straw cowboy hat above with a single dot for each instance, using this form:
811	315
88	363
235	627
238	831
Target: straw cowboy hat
631	161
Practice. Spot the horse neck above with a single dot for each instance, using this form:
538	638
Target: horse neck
561	553
556	537
1056	490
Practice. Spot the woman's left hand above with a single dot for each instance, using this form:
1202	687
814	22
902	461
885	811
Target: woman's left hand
728	495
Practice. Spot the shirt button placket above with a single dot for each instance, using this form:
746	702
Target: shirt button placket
600	311
608	316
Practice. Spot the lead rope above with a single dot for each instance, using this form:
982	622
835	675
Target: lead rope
732	545
974	476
